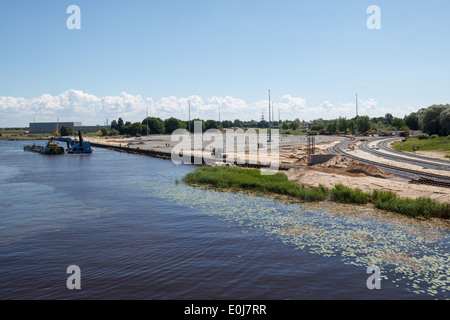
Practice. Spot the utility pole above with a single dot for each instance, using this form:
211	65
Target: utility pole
270	124
189	102
273	116
147	121
279	118
356	114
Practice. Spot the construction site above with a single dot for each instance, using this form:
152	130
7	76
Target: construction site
366	162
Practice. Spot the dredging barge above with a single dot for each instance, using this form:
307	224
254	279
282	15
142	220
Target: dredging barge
52	147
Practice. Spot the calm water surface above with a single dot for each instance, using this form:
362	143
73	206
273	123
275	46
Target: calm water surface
137	234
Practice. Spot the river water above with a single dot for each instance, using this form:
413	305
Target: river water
137	232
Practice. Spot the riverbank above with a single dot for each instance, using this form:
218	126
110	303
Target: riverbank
224	177
293	161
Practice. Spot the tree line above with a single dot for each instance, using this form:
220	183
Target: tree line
434	119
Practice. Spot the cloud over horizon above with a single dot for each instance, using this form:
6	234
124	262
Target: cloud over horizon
78	106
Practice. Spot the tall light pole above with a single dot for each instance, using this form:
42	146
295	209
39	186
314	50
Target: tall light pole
189	104
273	116
279	116
356	114
270	124
147	121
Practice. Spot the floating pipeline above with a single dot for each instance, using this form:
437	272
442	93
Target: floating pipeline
168	156
33	148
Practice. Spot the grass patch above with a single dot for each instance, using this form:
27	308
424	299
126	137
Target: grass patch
236	178
426	207
435	144
291	131
14	137
343	194
251	179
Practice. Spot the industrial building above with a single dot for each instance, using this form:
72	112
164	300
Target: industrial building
50	127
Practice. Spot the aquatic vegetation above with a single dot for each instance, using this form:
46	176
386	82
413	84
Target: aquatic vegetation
413	255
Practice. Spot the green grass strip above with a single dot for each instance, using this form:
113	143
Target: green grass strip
251	179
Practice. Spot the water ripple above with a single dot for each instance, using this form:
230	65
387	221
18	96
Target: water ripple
410	255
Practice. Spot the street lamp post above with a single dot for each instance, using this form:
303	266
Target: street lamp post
356	114
270	124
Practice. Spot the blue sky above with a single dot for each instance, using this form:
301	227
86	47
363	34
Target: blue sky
130	56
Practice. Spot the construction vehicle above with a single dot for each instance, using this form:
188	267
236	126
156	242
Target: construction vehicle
76	146
369	133
384	133
404	133
50	148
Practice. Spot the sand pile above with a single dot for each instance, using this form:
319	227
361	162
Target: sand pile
339	161
302	161
342	163
369	170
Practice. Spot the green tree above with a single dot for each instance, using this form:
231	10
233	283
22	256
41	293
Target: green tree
430	119
137	128
173	124
444	122
389	118
211	124
66	131
155	125
125	128
412	121
352	126
203	127
227	124
114	125
104	131
364	124
120	124
294	125
342	124
238	123
398	123
332	126
263	124
285	125
253	124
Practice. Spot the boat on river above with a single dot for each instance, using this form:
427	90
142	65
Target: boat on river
52	147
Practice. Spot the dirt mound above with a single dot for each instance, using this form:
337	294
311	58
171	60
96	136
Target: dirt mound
368	170
302	161
352	166
339	161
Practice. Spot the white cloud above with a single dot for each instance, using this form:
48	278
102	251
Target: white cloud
75	105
